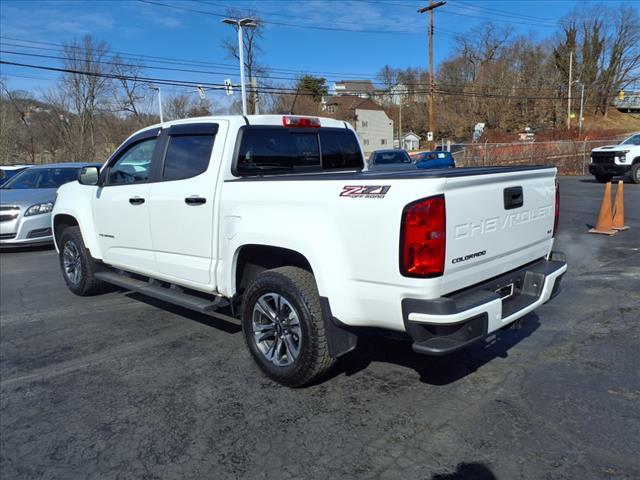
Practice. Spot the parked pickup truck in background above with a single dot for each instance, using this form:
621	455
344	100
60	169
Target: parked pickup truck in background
621	159
275	217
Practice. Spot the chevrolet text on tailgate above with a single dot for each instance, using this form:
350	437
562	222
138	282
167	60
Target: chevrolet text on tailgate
277	219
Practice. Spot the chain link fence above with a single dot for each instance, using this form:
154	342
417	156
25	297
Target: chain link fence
570	157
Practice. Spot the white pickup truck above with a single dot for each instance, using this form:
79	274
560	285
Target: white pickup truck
276	218
620	159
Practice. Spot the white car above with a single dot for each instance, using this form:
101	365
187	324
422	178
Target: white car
621	159
275	217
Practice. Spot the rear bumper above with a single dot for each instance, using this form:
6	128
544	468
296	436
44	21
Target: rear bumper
608	169
447	324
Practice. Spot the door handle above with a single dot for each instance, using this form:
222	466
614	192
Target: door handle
195	200
513	198
136	200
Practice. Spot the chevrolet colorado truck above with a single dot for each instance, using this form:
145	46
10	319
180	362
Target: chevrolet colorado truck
277	219
621	159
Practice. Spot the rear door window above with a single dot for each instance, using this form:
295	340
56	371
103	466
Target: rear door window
187	156
269	150
340	149
265	149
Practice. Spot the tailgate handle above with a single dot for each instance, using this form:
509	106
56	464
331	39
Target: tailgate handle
513	198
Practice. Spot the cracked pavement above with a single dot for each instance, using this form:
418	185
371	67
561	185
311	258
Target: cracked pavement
117	386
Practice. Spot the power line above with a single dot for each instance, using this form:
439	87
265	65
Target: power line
116	56
283	24
492	18
296	17
267	89
170	60
495	11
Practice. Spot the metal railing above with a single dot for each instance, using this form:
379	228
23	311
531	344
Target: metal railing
571	157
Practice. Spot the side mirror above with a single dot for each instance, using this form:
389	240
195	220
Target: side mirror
89	176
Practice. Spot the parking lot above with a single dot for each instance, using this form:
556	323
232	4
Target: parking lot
120	386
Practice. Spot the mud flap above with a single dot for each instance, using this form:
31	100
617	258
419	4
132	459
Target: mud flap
340	338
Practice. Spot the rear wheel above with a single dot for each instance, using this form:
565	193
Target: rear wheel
635	173
283	326
78	268
603	178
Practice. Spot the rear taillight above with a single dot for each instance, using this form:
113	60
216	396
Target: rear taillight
557	211
423	238
300	122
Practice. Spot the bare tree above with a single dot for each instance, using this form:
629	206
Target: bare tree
186	105
87	88
131	94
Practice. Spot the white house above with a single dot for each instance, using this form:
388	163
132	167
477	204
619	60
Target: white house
359	88
373	126
409	141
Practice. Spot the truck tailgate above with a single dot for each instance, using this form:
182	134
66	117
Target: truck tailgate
496	223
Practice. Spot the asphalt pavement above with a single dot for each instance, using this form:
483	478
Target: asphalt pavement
117	386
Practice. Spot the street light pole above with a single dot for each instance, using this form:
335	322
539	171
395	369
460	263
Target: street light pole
430	8
241	54
239	23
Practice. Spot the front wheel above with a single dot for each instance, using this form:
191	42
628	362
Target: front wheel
635	173
283	326
603	178
78	268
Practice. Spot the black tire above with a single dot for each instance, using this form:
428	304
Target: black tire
298	289
85	283
635	173
603	178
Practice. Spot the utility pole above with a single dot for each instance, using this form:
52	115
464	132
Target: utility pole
570	83
254	95
430	8
400	124
581	105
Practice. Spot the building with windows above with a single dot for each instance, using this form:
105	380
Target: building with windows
408	141
371	123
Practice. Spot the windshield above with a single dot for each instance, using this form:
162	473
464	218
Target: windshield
430	156
5	175
635	140
42	178
387	158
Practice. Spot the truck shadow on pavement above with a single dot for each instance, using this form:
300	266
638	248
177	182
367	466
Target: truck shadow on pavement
434	370
32	248
221	320
372	348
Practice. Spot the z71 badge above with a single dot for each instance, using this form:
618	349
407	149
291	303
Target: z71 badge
365	191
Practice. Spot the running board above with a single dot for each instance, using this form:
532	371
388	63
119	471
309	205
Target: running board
153	288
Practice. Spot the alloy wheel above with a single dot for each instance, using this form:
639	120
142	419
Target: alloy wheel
276	329
72	262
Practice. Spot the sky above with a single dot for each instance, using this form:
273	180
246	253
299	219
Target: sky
335	39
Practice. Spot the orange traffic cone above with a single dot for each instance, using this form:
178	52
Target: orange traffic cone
605	221
618	209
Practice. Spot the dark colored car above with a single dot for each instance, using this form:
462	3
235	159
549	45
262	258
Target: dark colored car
392	159
436	159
